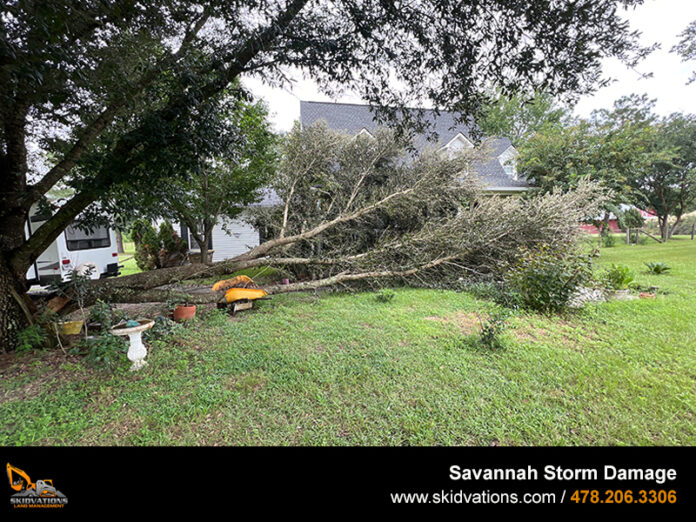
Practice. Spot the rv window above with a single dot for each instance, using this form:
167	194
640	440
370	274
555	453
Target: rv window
78	239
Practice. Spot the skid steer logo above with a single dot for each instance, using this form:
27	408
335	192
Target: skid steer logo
39	494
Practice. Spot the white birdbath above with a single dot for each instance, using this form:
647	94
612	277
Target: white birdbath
136	350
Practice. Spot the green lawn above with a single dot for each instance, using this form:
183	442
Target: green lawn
129	265
346	369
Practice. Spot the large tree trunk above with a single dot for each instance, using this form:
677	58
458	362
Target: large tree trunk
13	318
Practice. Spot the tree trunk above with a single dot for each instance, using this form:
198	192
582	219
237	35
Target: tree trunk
119	242
673	227
13	318
664	227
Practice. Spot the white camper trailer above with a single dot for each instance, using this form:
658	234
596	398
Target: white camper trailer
72	249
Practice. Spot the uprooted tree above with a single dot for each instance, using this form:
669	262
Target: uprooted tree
364	209
105	88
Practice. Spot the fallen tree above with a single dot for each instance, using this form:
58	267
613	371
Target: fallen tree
363	210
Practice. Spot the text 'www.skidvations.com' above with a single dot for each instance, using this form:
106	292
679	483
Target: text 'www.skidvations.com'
479	497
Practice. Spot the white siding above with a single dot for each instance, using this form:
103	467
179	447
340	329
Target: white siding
241	238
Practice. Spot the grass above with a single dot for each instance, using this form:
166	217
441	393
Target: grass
346	369
129	266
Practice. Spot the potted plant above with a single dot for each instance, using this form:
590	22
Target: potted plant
180	307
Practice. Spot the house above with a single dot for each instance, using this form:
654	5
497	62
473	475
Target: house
614	220
498	173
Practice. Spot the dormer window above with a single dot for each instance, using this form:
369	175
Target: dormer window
459	142
508	160
364	132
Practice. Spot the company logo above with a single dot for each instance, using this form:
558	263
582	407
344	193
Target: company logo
39	494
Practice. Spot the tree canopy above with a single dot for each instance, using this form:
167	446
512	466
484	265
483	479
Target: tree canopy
519	117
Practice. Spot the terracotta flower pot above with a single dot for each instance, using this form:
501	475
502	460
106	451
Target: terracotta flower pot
184	313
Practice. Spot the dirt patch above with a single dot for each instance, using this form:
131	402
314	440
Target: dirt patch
467	322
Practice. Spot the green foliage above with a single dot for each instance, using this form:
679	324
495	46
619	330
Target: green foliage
157	249
685	226
493	329
518	116
106	352
669	186
103	313
613	147
657	268
163	328
176	298
34	337
631	218
686	47
385	295
544	279
618	277
607	238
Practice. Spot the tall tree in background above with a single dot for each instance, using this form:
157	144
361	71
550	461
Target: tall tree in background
110	88
613	147
669	186
519	117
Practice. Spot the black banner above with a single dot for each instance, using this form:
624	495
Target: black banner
345	480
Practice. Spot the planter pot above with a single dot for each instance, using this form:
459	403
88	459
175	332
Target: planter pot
71	327
184	313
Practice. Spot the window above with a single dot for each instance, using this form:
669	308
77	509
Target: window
509	167
78	239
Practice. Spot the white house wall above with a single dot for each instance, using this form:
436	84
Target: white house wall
241	238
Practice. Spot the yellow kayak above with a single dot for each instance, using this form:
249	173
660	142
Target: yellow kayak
235	294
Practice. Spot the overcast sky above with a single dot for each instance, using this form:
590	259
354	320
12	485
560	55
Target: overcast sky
659	21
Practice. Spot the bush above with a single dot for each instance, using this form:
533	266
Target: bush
33	337
618	277
544	279
632	218
155	249
106	352
162	328
385	296
492	330
608	240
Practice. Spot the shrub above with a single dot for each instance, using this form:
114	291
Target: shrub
493	328
155	249
657	268
385	296
106	352
31	338
544	279
632	218
608	240
618	277
162	328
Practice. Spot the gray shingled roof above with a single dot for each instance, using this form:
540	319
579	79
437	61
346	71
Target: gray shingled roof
353	118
